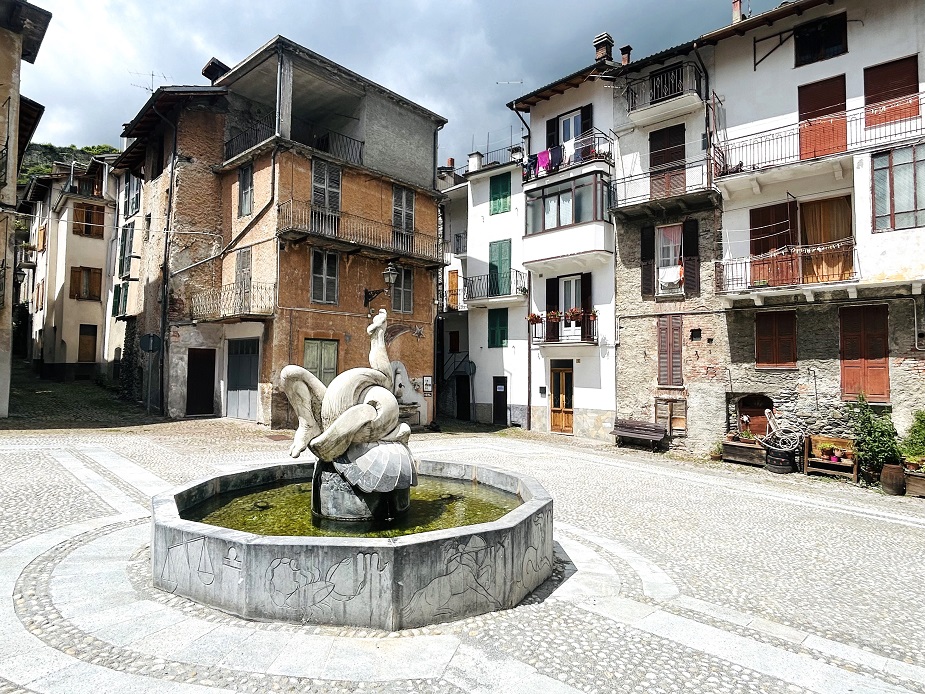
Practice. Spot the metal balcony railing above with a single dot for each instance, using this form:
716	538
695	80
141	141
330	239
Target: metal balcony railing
590	146
252	135
239	299
459	244
559	330
4	162
496	285
790	266
324	140
658	183
857	129
673	81
454	300
296	218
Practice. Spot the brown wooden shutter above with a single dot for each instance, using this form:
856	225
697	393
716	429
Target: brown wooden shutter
75	282
586	123
676	338
79	220
96	219
876	354
663	414
851	351
552	133
690	243
664	352
821	98
786	329
764	340
96	284
647	260
889	83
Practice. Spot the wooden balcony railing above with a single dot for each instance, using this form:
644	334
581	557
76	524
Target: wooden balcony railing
298	219
235	300
877	125
791	266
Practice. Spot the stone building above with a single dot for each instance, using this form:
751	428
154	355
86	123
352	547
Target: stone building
22	29
274	201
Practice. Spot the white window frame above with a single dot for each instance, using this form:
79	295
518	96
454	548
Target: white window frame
669	260
569	124
326	274
569	286
403	291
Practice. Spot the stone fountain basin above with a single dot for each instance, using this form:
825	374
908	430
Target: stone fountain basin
380	583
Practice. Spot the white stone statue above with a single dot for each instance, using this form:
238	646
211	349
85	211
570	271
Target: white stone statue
353	423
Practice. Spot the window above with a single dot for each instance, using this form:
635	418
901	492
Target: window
88	220
891	91
324	277
670	259
823	124
403	218
120	298
40	241
899	188
86	283
667	173
569	126
245	190
497	327
402	298
132	193
821	39
775	339
125	250
573	202
320	357
500	193
669	351
865	353
671	414
326	180
242	266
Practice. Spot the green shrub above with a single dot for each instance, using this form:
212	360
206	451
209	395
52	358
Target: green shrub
876	440
914	444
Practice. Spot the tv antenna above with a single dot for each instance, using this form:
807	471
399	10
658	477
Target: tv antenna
149	75
511	82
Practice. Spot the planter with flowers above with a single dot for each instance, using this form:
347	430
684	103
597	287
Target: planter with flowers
553	316
574	314
534	319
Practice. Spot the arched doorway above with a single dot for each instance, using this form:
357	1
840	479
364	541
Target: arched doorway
754	406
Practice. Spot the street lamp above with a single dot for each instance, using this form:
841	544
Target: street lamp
389	276
19	276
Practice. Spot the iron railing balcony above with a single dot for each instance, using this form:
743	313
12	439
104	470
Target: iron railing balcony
322	139
236	300
500	284
559	331
591	146
252	135
297	219
790	267
664	85
454	300
459	244
4	162
867	127
661	183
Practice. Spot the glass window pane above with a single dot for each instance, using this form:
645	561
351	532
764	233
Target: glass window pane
883	222
551	212
882	192
584	204
534	216
905	220
920	184
903	191
881	161
567	294
902	155
565	208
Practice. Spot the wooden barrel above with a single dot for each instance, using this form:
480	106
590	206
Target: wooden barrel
893	480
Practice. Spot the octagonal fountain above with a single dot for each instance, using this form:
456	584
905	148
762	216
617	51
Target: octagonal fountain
368	562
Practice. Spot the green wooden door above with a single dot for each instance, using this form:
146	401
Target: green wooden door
499	268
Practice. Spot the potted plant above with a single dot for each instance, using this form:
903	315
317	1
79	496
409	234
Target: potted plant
573	314
592	314
745	436
828	452
716	452
876	446
534	319
553	316
732	436
913	448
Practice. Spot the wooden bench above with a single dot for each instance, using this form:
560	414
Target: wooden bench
638	429
813	460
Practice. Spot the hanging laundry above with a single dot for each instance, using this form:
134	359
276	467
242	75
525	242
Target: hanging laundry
568	152
542	163
531	167
555	156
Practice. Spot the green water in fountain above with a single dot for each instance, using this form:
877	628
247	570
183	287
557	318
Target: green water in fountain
437	503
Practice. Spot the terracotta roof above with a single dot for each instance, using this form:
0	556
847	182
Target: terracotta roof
163	99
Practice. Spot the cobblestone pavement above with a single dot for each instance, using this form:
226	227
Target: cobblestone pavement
671	575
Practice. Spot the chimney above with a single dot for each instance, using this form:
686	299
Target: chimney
625	53
603	47
214	70
736	11
451	163
475	162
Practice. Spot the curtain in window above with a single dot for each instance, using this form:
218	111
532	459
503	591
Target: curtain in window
825	223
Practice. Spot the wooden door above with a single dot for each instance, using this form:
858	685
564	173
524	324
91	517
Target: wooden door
243	363
200	382
865	352
86	344
499	268
823	125
561	405
773	232
499	400
452	292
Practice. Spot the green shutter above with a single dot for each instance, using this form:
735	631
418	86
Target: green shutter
500	193
116	299
497	327
312	357
328	361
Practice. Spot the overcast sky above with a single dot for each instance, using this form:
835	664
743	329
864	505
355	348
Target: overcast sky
447	55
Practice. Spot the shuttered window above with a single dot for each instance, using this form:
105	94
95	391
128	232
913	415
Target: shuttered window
324	277
666	147
899	188
245	190
669	351
775	339
320	357
891	91
402	208
86	283
116	299
88	220
497	327
821	39
326	185
125	249
865	353
690	251
647	261
402	294
500	193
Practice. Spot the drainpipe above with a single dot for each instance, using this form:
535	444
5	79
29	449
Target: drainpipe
165	266
436	131
529	354
525	126
706	111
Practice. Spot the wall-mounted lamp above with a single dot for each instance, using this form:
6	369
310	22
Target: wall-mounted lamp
389	275
19	276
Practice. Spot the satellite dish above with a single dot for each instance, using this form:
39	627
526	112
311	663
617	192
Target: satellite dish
471	368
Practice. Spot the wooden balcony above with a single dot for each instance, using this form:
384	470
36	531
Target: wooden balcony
298	220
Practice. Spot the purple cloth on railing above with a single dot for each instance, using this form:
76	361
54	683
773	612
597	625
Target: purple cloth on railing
555	156
542	161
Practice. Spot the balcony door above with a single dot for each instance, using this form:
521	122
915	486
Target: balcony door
561	389
823	125
826	229
774	263
570	298
242	280
666	162
499	268
452	292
